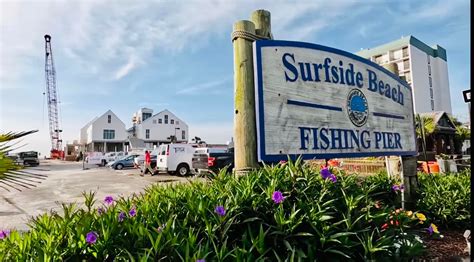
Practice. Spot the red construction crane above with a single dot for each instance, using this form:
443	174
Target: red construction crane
52	98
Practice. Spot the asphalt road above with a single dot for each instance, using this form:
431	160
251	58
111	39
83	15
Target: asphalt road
44	187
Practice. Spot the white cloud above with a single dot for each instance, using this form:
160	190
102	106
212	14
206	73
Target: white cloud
126	69
96	36
199	88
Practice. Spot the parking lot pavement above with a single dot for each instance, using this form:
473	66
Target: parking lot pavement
65	182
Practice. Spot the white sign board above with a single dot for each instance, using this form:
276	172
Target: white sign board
320	102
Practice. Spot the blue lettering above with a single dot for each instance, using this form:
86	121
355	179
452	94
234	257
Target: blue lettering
354	138
290	67
400	96
365	139
378	138
327	61
397	141
342	72
324	138
304	137
387	90
305	74
316	72
315	138
335	77
372	81
394	95
359	79
336	139
381	86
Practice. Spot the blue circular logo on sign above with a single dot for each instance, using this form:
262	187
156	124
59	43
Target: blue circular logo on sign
357	107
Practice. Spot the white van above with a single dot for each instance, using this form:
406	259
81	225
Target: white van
175	158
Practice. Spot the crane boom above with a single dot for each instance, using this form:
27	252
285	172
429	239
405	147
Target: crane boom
52	99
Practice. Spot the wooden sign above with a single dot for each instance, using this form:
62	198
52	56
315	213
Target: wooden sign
320	102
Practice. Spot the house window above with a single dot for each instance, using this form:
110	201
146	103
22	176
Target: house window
146	115
431	93
160	121
109	119
406	64
405	51
432	105
431	81
154	121
183	134
177	122
172	121
428	56
109	134
429	70
166	119
147	133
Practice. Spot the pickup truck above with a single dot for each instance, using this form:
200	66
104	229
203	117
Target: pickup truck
212	162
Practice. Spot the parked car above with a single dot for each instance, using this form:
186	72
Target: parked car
29	158
126	161
175	158
212	161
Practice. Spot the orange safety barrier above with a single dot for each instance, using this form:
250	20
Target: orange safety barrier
434	167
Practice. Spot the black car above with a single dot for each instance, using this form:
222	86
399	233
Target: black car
213	162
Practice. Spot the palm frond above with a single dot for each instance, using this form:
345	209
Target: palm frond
14	135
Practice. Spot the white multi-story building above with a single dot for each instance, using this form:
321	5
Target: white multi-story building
425	68
105	133
159	128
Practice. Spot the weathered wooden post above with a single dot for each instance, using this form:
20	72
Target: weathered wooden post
408	172
245	134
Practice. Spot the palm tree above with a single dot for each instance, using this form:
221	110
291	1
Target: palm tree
8	166
462	134
424	127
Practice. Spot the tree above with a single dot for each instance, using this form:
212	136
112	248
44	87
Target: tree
7	164
172	138
425	127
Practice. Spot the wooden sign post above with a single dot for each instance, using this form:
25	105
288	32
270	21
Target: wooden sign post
244	33
295	99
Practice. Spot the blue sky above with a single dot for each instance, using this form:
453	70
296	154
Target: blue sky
124	55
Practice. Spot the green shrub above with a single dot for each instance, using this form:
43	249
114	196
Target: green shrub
318	219
446	198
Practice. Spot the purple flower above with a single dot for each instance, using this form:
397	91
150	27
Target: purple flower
220	211
121	216
402	187
395	188
100	210
109	200
277	197
4	233
132	212
325	173
333	178
201	260
91	237
430	230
